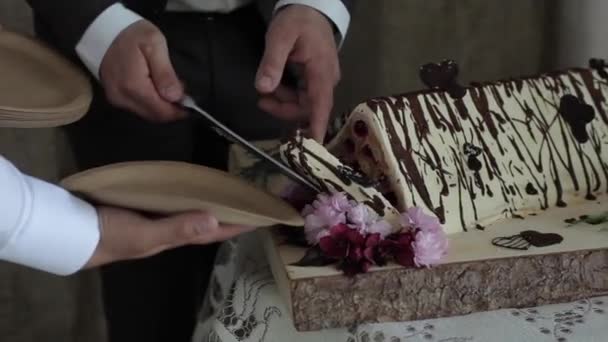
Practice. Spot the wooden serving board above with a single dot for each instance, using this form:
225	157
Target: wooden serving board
475	276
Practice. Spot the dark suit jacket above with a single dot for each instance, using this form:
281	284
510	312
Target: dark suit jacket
63	22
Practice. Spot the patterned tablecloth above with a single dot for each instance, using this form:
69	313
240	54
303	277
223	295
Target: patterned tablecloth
243	305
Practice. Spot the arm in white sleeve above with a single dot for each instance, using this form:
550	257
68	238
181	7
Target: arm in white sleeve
332	9
98	37
43	226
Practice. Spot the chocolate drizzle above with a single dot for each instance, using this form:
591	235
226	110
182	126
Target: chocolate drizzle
600	66
577	115
520	140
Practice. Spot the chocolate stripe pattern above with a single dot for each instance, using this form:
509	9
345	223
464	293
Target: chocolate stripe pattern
503	150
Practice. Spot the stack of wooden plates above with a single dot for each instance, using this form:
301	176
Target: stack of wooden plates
38	87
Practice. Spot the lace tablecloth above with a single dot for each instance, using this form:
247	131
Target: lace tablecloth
243	305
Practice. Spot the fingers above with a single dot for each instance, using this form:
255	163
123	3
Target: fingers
192	228
280	40
148	102
137	74
283	103
138	93
227	232
161	71
320	94
127	235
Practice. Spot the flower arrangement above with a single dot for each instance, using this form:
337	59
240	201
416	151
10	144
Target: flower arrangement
354	238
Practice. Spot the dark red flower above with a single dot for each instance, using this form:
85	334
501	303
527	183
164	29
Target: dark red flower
355	253
340	241
399	248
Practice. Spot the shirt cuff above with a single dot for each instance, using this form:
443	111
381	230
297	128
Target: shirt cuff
59	234
333	9
98	37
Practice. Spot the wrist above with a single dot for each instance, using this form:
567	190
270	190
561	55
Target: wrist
102	32
100	256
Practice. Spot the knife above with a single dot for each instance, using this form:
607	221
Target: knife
227	133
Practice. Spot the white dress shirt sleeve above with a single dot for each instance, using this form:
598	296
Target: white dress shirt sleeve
43	226
332	9
98	37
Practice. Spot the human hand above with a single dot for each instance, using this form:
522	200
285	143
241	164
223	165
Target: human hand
137	74
126	235
300	34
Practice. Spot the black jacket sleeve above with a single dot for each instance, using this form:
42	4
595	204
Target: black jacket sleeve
66	20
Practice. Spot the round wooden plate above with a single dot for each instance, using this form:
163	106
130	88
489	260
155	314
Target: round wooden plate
38	87
171	187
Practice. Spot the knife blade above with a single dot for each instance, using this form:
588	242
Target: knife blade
227	133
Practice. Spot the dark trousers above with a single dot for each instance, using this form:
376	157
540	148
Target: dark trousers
156	299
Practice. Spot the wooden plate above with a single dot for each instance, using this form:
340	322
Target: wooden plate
171	187
38	87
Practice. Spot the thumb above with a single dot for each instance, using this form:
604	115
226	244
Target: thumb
279	44
163	76
182	229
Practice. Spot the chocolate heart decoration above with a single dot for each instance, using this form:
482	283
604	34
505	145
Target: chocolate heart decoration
538	239
511	242
439	75
442	76
600	66
577	115
527	238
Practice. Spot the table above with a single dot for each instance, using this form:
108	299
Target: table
243	305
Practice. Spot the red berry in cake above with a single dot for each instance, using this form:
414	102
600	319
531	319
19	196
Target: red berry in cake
360	129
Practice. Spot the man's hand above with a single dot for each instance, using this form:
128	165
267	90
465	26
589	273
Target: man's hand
126	235
137	74
301	35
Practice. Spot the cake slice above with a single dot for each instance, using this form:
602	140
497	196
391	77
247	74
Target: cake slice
321	167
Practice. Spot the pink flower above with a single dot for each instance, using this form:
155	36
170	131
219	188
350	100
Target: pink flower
367	221
429	246
380	227
325	212
415	218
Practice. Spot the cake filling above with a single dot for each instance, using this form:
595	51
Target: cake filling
360	152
